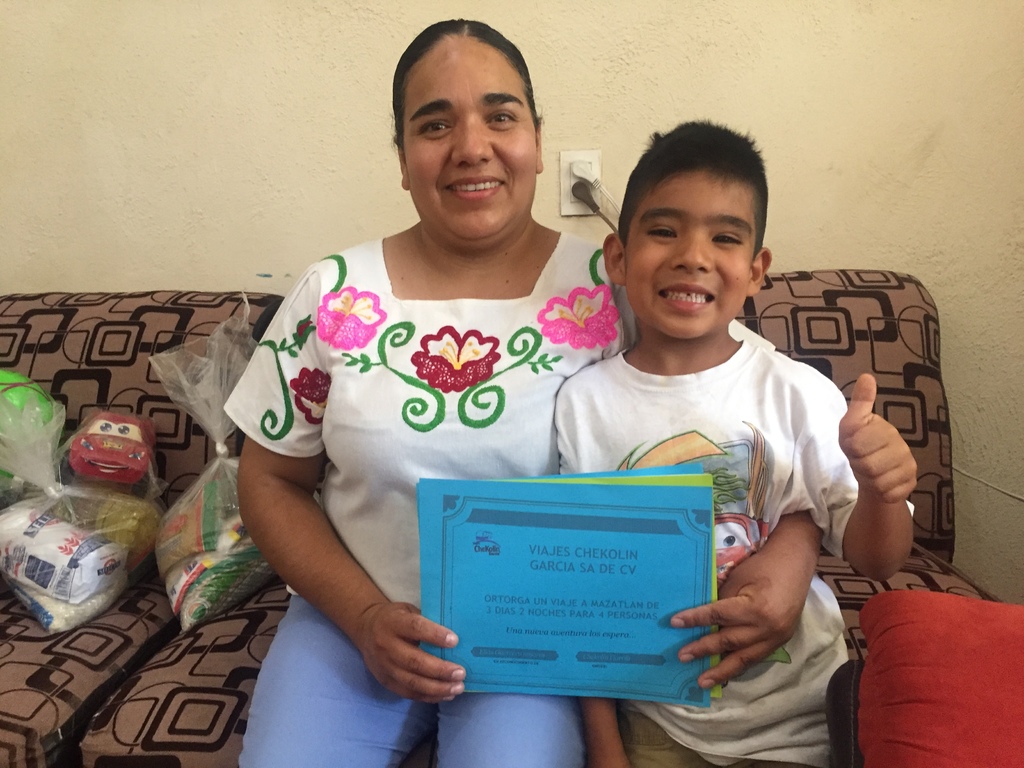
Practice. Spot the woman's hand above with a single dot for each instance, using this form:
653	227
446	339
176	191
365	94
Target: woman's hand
389	637
305	551
760	603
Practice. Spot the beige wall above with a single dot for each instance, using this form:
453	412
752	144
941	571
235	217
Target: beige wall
204	145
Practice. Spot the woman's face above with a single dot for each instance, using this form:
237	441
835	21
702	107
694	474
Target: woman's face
471	152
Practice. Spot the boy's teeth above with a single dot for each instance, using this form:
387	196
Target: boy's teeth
696	298
476	187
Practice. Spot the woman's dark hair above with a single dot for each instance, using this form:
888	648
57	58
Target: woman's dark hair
430	37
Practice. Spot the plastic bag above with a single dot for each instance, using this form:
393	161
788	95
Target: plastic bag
203	553
111	456
63	571
18	389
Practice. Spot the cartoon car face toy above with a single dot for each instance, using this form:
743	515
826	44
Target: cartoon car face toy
113	446
737	537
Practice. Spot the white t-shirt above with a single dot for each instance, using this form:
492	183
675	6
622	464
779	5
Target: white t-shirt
767	428
395	390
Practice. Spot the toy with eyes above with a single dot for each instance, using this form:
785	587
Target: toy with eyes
117	447
737	537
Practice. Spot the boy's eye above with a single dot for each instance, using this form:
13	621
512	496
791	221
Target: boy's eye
731	239
661	232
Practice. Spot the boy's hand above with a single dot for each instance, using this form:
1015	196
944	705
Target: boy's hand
879	457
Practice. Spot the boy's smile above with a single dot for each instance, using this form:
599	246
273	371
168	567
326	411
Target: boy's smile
688	268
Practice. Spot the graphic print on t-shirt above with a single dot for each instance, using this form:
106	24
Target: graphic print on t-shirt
740	472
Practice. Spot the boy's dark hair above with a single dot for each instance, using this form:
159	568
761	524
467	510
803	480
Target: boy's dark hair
698	146
431	36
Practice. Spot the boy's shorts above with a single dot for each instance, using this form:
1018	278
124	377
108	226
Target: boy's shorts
648	746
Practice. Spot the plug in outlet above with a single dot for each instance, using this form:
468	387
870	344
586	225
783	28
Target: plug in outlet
570	206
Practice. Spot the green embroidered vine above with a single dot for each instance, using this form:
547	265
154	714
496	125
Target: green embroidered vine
594	274
544	362
303	330
269	421
415	409
523	344
338	259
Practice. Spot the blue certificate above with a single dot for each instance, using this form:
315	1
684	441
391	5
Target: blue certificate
566	585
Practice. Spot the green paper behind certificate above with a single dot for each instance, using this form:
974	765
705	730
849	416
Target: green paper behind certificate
566	585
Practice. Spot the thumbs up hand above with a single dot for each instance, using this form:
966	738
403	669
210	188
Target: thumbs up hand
880	458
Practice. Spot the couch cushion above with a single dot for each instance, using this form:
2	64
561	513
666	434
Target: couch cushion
941	685
922	572
91	350
50	685
187	707
846	322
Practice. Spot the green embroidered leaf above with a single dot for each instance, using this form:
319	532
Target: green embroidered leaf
363	361
545	362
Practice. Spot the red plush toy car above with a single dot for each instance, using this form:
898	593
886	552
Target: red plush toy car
113	446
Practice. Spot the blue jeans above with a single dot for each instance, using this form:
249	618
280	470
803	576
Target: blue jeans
316	704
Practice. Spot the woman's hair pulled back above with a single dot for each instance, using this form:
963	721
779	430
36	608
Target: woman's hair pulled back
431	36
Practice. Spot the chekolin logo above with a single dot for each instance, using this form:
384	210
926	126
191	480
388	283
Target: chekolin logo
484	543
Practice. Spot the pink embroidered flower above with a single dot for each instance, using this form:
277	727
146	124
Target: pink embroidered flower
349	318
451	362
584	319
311	388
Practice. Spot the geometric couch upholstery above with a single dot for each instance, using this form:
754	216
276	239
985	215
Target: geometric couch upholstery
130	690
92	350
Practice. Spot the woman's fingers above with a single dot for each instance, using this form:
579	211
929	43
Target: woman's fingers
390	646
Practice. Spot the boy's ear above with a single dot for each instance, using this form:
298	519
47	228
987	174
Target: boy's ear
760	265
615	259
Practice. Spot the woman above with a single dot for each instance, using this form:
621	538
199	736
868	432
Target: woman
435	352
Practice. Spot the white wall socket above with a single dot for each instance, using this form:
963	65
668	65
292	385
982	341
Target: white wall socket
570	206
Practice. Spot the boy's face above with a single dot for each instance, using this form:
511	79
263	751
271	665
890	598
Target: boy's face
688	268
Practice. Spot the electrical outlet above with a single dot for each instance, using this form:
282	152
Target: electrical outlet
570	206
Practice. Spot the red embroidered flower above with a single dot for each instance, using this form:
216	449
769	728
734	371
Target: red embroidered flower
583	319
451	362
311	388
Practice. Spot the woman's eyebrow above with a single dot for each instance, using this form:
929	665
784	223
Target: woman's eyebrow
431	108
493	99
443	105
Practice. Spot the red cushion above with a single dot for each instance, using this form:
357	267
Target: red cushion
943	682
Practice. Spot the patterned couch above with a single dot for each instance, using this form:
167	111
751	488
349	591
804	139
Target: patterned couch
129	690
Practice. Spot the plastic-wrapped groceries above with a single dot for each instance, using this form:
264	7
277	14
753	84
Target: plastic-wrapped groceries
207	559
110	458
64	572
125	519
203	553
39	550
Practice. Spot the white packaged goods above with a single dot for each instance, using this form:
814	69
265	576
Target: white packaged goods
57	558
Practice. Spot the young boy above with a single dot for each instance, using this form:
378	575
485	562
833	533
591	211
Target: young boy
778	437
